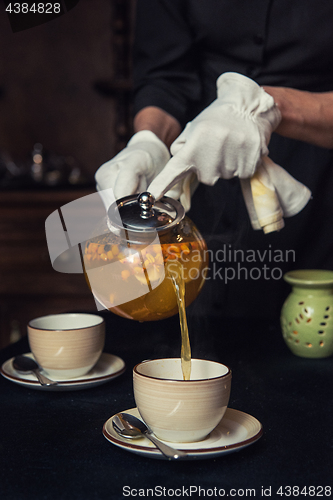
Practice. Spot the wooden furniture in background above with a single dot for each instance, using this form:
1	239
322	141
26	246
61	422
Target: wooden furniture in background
29	286
119	88
74	96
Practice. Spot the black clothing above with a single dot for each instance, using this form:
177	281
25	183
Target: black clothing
181	47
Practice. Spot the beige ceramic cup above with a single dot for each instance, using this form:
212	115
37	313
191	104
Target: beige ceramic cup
180	410
67	345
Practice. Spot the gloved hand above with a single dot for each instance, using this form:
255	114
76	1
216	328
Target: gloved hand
131	170
226	139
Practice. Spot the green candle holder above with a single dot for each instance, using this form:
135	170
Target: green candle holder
307	314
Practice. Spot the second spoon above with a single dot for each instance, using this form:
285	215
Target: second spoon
25	364
129	426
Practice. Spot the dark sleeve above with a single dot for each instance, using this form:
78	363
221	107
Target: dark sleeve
164	63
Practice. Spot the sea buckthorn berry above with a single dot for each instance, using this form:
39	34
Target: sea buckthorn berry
159	259
150	258
125	274
115	249
173	248
93	247
172	252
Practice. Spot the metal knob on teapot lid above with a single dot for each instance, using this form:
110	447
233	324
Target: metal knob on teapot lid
143	214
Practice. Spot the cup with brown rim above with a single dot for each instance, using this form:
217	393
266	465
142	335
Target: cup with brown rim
179	410
67	345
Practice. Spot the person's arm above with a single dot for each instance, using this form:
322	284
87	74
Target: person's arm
165	126
306	116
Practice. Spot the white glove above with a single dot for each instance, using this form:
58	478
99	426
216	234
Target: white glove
226	139
131	170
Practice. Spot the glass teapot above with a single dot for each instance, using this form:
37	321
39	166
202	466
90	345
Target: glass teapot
136	254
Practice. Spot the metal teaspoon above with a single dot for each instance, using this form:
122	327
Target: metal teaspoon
25	364
131	427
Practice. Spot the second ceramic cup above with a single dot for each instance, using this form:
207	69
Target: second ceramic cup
67	345
180	410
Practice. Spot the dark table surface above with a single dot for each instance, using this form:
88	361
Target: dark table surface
52	446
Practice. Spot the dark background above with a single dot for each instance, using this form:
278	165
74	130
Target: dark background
65	84
48	79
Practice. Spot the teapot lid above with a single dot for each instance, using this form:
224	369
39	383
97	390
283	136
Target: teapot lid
141	213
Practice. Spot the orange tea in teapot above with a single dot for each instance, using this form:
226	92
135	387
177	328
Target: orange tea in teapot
118	271
148	264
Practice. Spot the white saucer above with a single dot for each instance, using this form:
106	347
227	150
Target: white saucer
107	367
235	431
